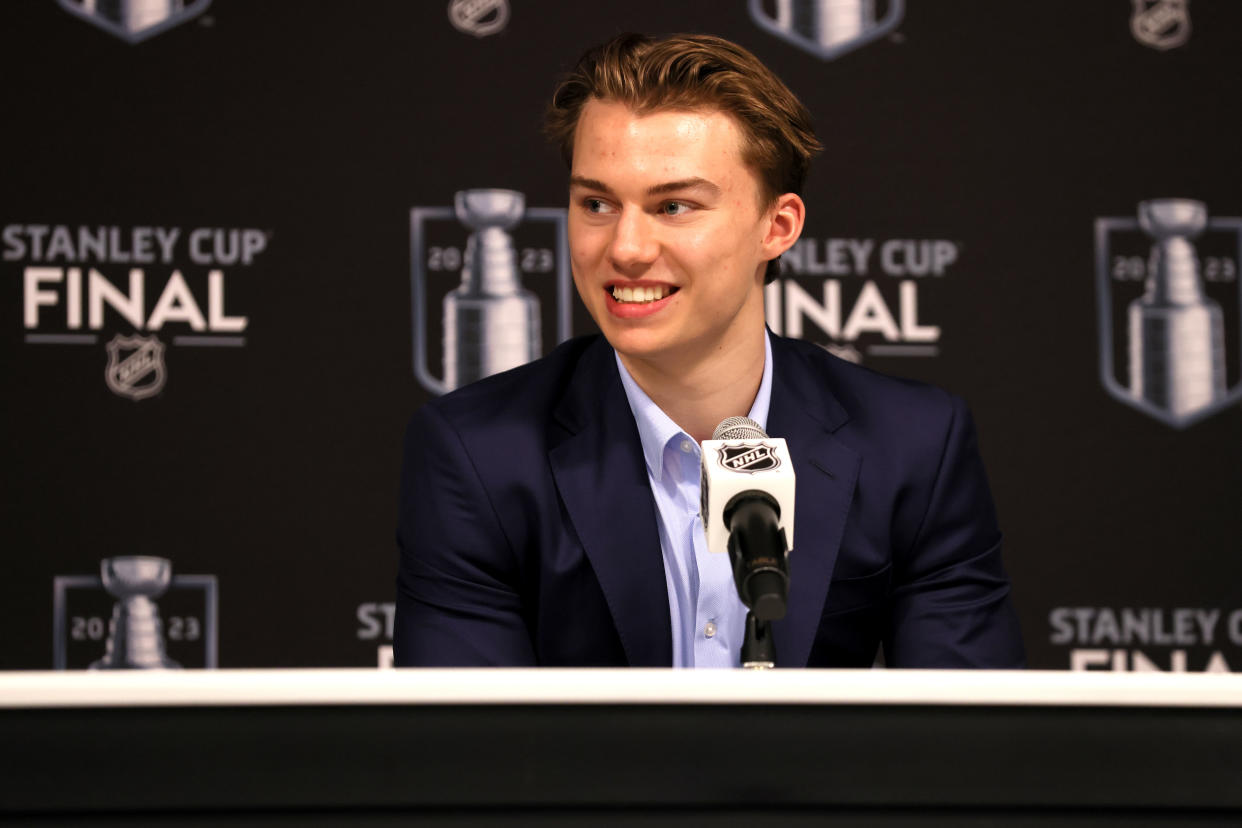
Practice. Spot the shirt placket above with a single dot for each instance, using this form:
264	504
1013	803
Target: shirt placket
709	648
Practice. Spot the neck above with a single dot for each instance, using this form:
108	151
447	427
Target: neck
698	393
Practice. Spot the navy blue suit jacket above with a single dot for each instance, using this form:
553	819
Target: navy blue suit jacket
527	529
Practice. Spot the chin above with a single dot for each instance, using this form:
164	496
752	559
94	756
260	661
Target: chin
633	343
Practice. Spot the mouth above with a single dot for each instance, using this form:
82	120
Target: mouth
633	302
639	294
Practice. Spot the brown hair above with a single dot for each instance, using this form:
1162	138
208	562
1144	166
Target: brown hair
689	71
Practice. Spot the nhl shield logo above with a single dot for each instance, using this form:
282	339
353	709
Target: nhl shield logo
826	28
135	366
1170	309
479	17
749	457
1161	24
135	20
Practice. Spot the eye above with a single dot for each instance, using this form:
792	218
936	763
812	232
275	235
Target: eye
595	205
674	208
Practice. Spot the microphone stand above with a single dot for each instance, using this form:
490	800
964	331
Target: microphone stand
757	545
758	648
759	554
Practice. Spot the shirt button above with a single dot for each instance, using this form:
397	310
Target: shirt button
710	629
686	446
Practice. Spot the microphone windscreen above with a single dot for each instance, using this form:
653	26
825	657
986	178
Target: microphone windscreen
738	428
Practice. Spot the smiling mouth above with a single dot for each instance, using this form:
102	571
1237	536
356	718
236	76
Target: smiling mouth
640	295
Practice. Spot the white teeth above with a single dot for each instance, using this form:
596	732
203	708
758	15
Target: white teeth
640	294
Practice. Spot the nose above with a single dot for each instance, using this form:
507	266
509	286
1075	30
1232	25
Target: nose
634	245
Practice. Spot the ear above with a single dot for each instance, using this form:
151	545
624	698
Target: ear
785	219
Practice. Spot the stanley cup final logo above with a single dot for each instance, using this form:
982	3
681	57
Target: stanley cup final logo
1170	308
827	28
135	20
111	621
490	321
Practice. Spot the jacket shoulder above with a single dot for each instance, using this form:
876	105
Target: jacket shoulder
528	392
860	388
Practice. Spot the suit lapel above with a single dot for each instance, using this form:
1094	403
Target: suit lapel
805	413
602	479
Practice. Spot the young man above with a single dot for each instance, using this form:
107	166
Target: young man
549	515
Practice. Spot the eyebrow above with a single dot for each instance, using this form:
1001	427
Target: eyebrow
658	189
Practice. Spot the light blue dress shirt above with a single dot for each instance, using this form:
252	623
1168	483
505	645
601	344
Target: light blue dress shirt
708	618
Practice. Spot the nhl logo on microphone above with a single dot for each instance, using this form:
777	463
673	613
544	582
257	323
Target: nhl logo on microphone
749	457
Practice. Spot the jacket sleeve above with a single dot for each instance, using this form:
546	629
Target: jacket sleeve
458	597
951	602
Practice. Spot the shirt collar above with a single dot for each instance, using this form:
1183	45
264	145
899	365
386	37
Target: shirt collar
656	430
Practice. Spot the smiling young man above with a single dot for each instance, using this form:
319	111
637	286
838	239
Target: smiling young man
670	235
549	515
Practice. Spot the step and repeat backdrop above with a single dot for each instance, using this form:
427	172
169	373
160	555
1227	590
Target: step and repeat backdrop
232	238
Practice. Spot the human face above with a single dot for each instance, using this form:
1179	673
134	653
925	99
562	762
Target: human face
662	204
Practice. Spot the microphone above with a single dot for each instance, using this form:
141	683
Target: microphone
747	490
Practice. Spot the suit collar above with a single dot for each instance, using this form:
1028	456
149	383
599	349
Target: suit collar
805	386
592	378
600	474
806	413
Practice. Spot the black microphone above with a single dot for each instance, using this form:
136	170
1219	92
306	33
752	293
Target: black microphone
748	500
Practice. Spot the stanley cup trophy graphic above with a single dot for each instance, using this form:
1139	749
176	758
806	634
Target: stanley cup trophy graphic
135	15
827	28
135	20
491	324
1177	338
135	634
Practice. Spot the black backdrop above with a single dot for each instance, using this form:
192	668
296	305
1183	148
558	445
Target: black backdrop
1013	141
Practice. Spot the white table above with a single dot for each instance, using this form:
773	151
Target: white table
613	746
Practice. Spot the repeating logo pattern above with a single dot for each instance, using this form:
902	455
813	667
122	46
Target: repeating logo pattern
479	17
827	29
81	283
135	20
1161	24
490	321
862	297
112	620
1169	310
375	623
1145	639
135	366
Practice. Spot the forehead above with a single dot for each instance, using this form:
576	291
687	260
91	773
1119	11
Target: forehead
612	138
